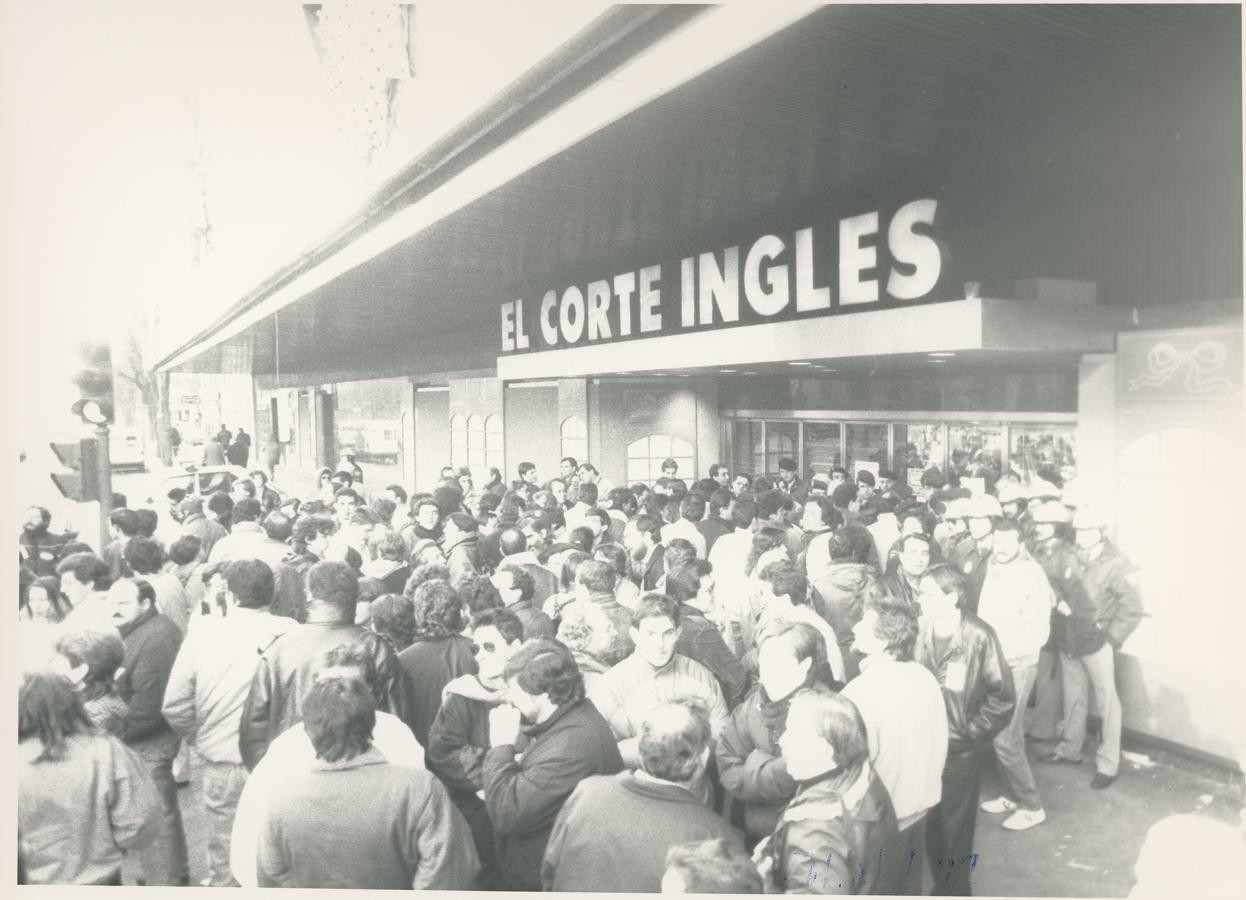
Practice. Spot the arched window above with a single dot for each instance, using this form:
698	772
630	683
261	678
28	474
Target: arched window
494	457
458	440
645	455
574	438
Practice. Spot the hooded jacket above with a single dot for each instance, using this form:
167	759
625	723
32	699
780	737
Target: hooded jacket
750	765
836	836
973	674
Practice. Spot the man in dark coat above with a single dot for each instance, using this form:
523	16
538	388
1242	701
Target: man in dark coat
518	592
643	542
151	643
791	659
543	742
459	737
614	831
240	450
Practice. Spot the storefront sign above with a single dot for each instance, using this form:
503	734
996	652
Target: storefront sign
861	262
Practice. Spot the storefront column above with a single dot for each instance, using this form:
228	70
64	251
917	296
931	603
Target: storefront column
1096	431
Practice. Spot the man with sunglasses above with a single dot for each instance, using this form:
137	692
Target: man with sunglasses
459	737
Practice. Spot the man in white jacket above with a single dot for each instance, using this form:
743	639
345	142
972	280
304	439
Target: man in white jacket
1016	601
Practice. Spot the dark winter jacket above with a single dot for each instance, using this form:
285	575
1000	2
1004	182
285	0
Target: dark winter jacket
700	639
1106	604
975	679
526	785
614	832
750	765
427	667
286	670
835	838
151	645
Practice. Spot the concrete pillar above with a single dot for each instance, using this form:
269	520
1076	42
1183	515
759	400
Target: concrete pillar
1096	431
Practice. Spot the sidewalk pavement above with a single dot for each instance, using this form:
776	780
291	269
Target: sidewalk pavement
1090	841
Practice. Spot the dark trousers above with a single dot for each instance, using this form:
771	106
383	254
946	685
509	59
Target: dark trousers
950	824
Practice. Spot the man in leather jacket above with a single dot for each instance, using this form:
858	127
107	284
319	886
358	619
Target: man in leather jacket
1100	613
967	660
287	667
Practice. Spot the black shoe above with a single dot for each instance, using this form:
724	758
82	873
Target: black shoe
1101	781
1054	757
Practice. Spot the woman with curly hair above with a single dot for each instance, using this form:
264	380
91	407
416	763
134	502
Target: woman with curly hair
439	654
65	764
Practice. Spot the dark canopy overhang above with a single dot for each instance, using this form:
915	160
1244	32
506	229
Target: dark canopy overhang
1100	143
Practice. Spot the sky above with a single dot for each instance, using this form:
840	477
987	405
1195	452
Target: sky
96	202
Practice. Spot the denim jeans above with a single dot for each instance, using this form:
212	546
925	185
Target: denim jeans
222	786
1097	672
1009	744
165	860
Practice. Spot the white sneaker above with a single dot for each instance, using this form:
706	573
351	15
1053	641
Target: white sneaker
998	805
1024	818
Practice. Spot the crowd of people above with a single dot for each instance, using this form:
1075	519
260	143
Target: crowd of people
737	684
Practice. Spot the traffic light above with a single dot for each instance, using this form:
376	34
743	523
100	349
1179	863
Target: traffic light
94	381
81	482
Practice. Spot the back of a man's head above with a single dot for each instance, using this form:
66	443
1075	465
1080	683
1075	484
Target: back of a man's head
333	582
88	569
673	739
338	716
512	541
251	583
221	504
144	556
596	575
278	526
844	494
716	866
247	510
743	514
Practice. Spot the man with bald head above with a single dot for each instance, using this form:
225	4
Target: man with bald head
614	831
